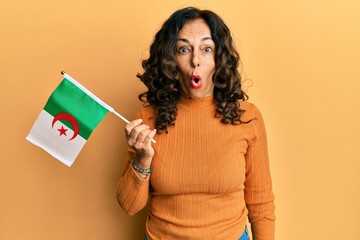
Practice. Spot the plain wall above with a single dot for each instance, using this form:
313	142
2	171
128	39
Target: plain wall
301	65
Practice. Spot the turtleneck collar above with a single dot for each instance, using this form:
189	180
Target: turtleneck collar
197	102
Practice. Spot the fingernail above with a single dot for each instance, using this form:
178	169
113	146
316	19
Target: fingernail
138	121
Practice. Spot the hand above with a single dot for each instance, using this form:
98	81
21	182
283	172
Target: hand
139	137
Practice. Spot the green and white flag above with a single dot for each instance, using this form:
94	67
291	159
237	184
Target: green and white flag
67	120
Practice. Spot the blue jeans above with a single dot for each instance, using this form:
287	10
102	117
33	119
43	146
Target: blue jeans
244	236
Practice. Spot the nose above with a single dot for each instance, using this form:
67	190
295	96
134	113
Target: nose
195	61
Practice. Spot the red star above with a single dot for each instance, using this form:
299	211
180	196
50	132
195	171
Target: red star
62	131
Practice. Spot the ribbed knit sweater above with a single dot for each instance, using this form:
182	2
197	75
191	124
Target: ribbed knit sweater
207	177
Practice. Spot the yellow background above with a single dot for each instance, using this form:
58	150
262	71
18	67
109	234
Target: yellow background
301	61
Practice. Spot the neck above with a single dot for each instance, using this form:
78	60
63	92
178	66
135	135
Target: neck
197	102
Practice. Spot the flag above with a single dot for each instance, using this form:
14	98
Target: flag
67	120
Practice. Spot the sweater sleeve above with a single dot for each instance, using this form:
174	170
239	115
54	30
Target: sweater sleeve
132	191
259	196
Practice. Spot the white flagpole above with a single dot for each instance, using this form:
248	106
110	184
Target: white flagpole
96	98
120	116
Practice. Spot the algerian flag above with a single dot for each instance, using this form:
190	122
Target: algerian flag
67	120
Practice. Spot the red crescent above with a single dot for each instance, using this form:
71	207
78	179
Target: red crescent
70	119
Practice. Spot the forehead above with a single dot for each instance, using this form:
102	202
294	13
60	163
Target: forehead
194	28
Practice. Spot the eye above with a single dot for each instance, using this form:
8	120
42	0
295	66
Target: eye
183	50
207	49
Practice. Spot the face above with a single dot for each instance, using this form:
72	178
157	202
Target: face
195	59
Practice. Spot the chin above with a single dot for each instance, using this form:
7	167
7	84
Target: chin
198	95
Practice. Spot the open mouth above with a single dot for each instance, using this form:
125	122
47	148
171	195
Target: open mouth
196	81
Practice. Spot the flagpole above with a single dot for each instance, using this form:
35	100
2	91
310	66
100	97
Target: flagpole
97	99
120	116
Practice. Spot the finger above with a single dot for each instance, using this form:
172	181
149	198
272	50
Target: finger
150	137
141	138
129	127
135	132
142	135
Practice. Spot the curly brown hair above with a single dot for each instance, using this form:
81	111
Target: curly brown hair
161	75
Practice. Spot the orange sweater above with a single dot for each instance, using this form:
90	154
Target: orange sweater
207	177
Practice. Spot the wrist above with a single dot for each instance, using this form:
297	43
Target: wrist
143	163
139	169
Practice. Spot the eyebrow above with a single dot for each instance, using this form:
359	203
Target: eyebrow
187	41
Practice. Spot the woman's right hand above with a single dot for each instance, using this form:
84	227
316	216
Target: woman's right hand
139	137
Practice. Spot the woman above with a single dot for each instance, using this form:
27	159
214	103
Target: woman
208	170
